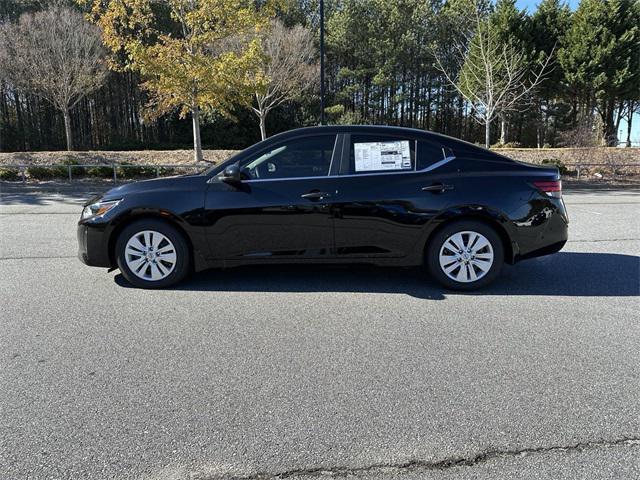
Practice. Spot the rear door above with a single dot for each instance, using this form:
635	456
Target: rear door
381	207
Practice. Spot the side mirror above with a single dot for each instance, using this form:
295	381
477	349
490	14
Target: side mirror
231	174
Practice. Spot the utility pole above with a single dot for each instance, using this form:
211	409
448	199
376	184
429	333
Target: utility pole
322	119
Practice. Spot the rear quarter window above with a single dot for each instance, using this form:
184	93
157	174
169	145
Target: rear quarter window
430	153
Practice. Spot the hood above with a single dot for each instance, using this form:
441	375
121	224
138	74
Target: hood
180	182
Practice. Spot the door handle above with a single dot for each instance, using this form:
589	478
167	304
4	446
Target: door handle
315	195
437	188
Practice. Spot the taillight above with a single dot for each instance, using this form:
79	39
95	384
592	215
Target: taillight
552	188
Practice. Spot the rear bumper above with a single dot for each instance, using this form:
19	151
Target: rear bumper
546	250
545	233
92	250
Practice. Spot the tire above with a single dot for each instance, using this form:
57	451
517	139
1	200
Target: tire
163	260
483	262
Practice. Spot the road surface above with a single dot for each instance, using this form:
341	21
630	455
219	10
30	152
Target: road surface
304	372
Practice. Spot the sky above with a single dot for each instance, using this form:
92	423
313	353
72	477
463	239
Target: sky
531	6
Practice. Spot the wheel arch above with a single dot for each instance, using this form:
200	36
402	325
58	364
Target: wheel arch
490	218
163	216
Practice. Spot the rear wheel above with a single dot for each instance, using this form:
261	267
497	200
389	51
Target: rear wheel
152	254
465	255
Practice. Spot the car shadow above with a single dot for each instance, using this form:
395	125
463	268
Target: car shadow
561	274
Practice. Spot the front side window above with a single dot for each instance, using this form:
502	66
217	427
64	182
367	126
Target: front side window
381	153
301	157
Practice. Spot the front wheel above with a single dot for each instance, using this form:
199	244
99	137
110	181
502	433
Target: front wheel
152	254
465	255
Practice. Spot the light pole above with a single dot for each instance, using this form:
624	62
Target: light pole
322	119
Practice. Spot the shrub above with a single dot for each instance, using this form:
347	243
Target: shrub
166	171
506	145
57	171
9	174
41	173
562	168
129	170
100	171
75	171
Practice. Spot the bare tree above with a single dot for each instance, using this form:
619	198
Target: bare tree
288	69
630	108
491	75
55	54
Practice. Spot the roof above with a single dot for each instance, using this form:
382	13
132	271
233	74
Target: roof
356	128
445	140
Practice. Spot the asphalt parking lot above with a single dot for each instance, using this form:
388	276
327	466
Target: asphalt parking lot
298	372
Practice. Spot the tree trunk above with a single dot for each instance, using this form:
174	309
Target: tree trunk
263	127
428	106
487	133
197	144
629	125
619	116
609	129
540	126
503	130
20	144
67	129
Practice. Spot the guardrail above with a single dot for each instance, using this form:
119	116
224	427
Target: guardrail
580	166
195	168
22	168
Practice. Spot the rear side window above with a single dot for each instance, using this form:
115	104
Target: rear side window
381	153
430	153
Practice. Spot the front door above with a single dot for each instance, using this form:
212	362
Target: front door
280	210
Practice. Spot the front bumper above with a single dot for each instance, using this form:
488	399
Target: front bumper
93	249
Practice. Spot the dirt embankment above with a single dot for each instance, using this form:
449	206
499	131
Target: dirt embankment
568	156
148	157
573	156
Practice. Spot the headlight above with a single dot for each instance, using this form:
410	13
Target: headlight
98	208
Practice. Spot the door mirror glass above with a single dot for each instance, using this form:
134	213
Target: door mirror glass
231	174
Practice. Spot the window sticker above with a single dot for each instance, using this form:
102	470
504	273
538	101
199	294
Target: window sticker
374	156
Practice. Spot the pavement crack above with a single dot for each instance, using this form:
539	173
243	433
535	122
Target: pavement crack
424	465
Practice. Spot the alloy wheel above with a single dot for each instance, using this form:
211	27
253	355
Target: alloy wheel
466	256
150	255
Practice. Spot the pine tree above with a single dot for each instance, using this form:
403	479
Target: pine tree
549	24
601	58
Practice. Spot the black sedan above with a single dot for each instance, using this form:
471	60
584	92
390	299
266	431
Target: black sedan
347	194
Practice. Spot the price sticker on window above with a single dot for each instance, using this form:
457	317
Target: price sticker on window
375	156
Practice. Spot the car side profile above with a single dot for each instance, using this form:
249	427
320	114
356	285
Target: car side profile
340	194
